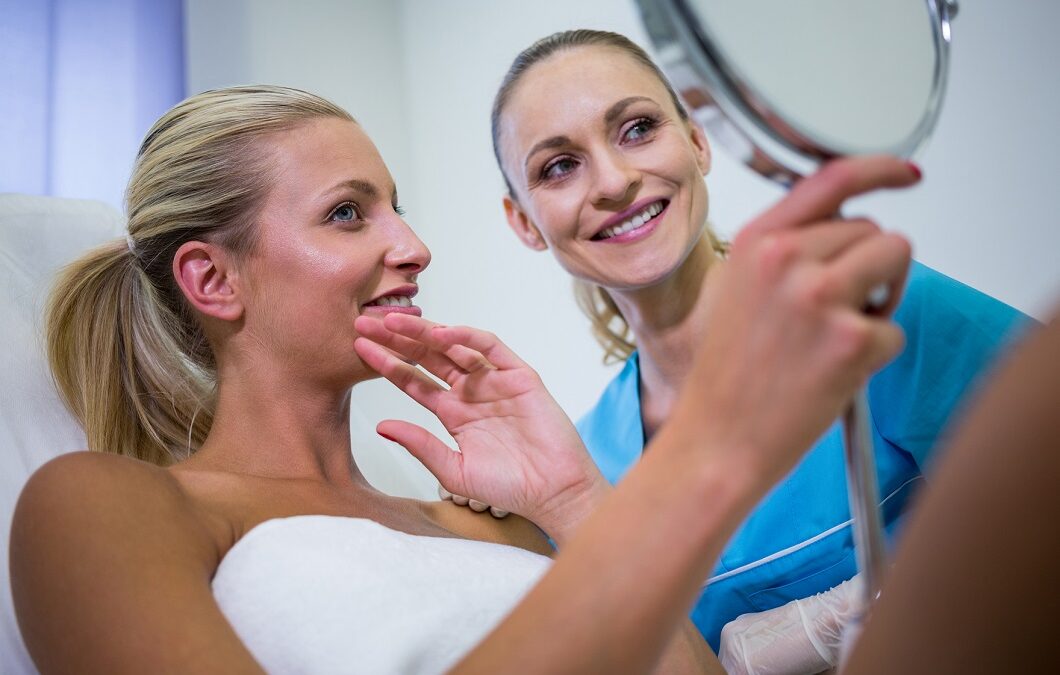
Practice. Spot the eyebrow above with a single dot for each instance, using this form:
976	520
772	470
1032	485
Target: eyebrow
616	110
365	187
547	144
612	113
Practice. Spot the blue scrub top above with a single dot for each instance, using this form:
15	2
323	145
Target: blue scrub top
797	542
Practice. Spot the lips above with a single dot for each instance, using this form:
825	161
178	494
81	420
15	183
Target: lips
627	225
395	300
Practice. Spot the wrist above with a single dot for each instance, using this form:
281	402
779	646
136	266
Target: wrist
568	509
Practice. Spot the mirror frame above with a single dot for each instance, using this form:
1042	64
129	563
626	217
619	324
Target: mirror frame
734	116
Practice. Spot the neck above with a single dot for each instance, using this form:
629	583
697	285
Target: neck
668	320
270	424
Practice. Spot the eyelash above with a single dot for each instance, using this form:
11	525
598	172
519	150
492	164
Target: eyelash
398	209
356	211
650	124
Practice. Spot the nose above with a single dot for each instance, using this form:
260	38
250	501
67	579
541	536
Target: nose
407	253
615	179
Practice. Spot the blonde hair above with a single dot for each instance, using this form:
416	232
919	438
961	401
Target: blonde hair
129	358
606	322
608	325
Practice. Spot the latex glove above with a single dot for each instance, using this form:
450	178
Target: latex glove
473	504
518	450
799	638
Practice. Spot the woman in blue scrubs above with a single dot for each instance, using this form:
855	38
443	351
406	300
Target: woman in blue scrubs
605	169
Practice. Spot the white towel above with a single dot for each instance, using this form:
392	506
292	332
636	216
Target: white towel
326	594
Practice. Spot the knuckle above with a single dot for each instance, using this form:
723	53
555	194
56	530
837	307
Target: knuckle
839	176
869	225
817	290
776	253
853	339
902	246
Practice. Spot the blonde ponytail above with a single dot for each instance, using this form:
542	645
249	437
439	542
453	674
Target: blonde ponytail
130	359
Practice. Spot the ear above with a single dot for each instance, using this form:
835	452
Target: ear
522	226
701	146
208	279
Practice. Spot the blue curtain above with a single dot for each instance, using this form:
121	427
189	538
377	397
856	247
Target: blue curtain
81	81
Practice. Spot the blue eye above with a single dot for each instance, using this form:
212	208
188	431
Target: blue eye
558	168
345	213
639	130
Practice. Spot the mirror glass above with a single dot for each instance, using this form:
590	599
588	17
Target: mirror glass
854	76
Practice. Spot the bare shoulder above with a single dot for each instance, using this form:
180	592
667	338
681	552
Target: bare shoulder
512	531
108	493
104	546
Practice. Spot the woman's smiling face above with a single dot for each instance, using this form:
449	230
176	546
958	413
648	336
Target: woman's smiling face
332	245
605	170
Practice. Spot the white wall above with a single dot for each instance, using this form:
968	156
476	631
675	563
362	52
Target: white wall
421	75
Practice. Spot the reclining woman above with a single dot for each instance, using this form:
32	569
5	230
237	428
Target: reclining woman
223	526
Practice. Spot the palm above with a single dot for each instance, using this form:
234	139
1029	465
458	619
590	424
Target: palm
517	447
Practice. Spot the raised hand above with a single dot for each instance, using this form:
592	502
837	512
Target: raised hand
518	449
789	340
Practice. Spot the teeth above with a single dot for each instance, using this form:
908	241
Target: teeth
393	301
633	223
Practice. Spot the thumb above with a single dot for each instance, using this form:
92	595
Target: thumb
440	460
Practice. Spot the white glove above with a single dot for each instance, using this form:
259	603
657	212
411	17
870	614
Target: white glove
799	638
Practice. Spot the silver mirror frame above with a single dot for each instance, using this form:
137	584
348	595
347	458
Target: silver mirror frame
732	113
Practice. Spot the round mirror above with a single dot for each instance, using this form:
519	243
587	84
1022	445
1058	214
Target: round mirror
787	85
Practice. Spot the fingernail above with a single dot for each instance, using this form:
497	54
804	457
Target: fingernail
389	438
915	169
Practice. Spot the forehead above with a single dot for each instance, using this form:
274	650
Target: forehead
575	86
313	156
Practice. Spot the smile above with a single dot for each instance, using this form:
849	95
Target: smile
394	300
633	223
391	301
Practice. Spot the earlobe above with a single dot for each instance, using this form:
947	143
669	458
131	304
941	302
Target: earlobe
208	280
522	227
702	147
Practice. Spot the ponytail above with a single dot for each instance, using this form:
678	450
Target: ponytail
117	368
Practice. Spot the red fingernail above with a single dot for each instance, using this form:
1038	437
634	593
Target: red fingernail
915	169
389	438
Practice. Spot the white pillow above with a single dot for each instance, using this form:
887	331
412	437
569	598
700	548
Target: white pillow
37	236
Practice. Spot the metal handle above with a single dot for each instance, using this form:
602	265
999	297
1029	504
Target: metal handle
863	492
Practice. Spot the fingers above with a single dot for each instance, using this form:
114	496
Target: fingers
439	459
412	350
442	337
827	240
409	379
819	196
445	495
877	261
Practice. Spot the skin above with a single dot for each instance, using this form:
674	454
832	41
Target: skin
564	194
281	325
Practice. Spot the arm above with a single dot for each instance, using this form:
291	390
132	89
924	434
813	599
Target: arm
538	468
792	293
110	573
973	586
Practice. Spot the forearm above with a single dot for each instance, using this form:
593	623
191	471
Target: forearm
613	605
562	522
689	653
